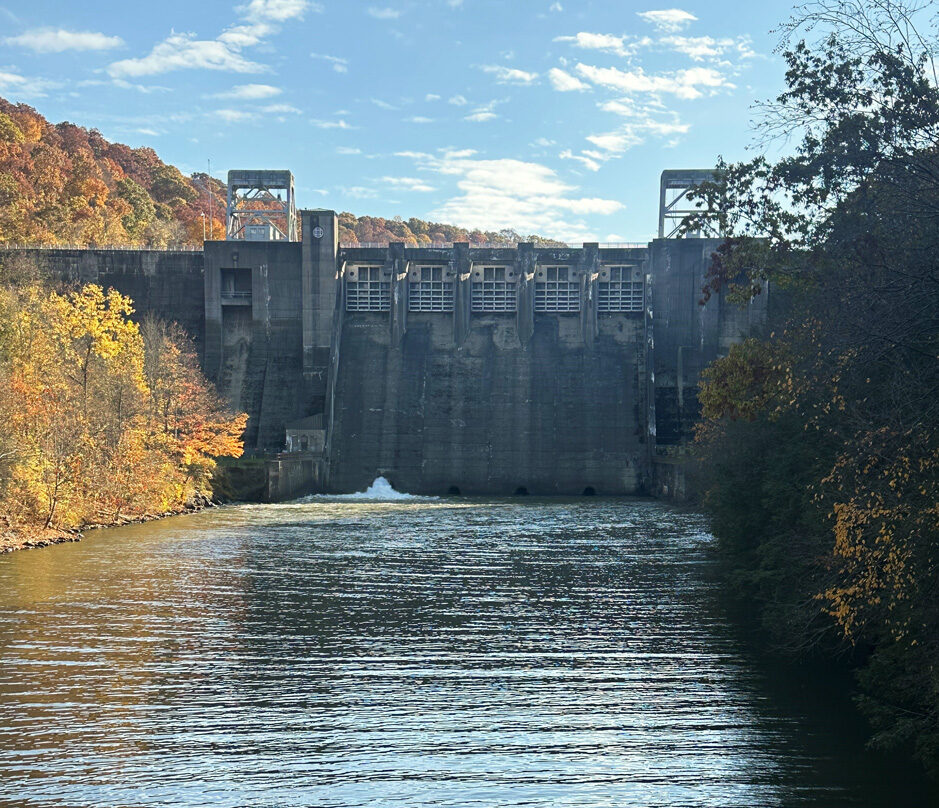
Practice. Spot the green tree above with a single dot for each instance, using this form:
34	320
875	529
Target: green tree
845	225
142	210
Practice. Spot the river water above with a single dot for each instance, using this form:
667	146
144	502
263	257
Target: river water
408	653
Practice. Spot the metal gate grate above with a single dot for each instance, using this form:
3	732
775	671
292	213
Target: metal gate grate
620	292
493	292
369	292
431	292
556	292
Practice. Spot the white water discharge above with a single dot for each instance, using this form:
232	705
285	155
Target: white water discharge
379	491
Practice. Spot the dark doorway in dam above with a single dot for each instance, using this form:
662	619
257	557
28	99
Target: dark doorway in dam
521	491
590	491
453	491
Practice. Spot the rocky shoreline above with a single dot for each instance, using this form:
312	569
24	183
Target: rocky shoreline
31	538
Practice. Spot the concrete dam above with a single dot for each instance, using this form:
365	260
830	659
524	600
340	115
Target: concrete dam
453	368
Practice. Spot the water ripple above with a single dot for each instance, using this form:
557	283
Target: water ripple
412	653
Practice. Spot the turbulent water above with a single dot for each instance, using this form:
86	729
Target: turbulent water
357	652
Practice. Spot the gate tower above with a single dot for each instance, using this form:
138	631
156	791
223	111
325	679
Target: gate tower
261	206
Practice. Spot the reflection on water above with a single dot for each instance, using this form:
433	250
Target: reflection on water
340	653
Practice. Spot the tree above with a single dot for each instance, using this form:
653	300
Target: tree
142	210
96	418
845	225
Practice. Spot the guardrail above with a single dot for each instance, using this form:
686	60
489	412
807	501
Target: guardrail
345	245
107	247
447	245
228	295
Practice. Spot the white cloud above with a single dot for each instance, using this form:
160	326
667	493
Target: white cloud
179	51
615	141
184	50
339	64
668	19
359	192
565	82
555	6
681	83
633	133
500	193
347	150
700	48
510	75
642	122
381	104
601	42
321	124
483	113
431	97
246	35
278	10
420	119
281	109
146	89
25	86
588	162
251	92
384	13
458	101
234	115
408	184
56	40
150	132
642	98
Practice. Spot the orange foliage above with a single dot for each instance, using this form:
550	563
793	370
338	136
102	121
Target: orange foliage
59	185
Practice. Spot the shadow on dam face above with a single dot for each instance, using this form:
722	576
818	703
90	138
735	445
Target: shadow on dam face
590	491
521	491
453	491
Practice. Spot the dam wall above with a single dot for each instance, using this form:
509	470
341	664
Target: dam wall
166	283
689	334
490	402
253	352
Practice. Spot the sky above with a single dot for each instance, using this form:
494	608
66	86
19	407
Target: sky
553	117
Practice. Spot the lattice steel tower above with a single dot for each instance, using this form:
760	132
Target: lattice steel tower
261	206
674	204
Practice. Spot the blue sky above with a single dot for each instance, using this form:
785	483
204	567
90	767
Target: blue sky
549	116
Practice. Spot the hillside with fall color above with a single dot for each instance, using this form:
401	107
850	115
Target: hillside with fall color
64	184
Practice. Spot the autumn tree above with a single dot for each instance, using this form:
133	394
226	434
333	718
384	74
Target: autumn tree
97	419
845	227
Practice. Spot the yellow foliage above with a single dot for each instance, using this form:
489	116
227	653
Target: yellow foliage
889	515
87	432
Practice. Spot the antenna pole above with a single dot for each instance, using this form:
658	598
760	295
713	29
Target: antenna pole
208	185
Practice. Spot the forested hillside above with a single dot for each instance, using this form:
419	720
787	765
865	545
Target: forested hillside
374	229
63	184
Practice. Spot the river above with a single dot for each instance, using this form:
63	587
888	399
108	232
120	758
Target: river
411	653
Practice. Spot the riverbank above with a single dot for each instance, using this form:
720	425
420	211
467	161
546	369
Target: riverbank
28	538
11	540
